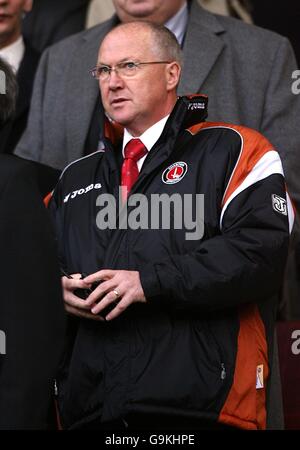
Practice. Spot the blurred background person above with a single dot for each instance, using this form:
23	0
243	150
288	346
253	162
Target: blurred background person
100	10
32	318
8	93
52	20
24	61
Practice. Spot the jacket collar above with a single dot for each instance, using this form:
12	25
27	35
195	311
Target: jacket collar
188	111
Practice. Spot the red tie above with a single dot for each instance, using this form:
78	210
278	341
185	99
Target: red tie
134	150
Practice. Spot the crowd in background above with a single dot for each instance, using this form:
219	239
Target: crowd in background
50	21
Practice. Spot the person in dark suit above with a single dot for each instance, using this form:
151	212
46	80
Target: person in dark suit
32	318
14	129
8	93
24	61
49	21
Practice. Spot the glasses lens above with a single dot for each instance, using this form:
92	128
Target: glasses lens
124	69
103	72
127	69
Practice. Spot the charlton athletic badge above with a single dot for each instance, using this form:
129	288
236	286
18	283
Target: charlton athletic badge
174	173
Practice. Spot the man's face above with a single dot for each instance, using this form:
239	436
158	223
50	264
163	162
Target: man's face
10	19
141	100
157	11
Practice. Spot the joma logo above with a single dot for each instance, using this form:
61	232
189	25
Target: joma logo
81	191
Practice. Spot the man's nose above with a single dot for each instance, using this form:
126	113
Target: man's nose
115	81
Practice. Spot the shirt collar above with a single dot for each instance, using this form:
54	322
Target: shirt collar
13	53
178	23
149	137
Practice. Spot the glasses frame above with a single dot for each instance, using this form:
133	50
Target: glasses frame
117	66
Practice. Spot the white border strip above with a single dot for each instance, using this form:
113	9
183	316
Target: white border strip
291	214
79	159
268	164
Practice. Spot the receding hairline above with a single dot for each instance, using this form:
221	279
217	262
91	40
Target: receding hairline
164	40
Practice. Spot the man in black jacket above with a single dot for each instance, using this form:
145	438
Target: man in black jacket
182	260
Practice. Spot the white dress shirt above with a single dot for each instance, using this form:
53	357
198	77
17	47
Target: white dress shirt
178	23
13	53
148	138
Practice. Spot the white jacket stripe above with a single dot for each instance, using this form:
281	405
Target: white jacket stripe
268	164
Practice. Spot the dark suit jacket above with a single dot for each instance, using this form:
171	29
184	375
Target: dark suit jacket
52	20
31	307
13	130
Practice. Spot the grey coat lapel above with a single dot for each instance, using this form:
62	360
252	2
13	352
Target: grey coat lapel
82	89
201	49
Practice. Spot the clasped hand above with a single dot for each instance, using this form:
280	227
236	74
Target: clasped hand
118	289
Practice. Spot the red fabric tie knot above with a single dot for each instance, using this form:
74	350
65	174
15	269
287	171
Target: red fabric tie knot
134	150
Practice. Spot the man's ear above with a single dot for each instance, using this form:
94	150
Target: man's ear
173	71
27	6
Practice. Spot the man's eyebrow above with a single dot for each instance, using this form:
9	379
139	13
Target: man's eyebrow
99	63
128	59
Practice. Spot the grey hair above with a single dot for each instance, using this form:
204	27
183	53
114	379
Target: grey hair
165	42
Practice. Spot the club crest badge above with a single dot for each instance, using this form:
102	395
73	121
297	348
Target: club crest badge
174	173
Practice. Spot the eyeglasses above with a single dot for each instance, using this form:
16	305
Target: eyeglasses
124	69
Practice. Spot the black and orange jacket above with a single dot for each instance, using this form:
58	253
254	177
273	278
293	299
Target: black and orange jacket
199	346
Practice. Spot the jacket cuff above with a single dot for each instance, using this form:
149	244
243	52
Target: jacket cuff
150	283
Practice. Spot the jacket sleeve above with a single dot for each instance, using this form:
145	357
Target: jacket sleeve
57	221
244	263
31	307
